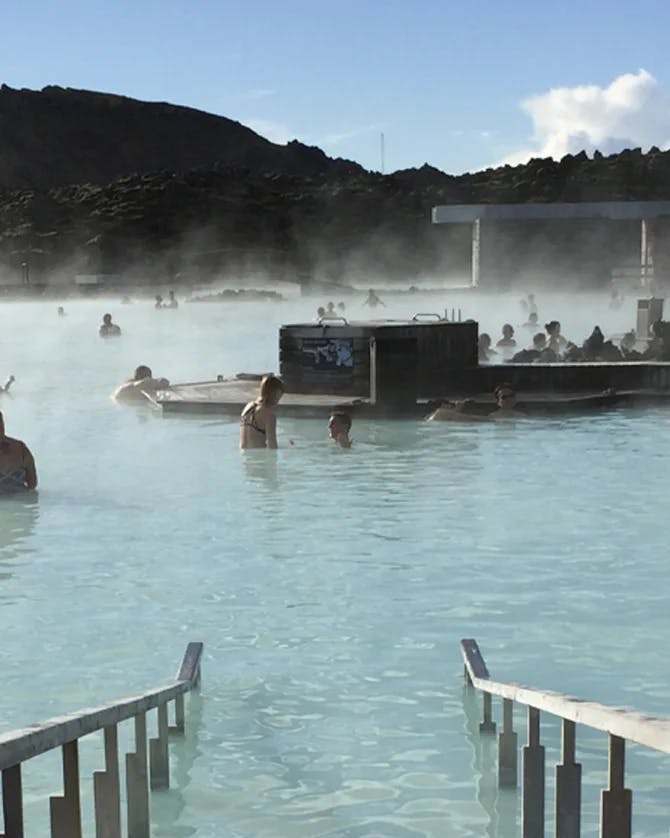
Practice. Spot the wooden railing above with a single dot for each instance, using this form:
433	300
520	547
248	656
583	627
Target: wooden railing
64	732
620	724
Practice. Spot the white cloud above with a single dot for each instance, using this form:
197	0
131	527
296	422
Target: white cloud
632	111
257	93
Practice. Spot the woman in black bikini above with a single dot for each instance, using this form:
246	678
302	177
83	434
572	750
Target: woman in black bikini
258	422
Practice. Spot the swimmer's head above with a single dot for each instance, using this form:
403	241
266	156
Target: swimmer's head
539	340
107	319
339	423
505	395
508	330
321	311
484	340
142	372
272	389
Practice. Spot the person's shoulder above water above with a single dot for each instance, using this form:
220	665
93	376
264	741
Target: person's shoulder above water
258	422
506	400
459	411
141	385
339	427
107	328
17	464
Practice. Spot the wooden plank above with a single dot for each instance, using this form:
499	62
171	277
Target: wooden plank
188	669
137	784
19	745
12	802
651	731
473	659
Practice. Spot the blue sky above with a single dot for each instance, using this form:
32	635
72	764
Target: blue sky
444	81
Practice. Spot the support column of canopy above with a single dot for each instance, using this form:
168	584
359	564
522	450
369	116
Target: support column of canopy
476	244
646	253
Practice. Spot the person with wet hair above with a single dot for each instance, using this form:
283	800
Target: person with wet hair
507	344
258	422
17	464
506	400
339	426
484	351
108	329
141	388
555	340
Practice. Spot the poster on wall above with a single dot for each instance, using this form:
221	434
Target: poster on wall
332	354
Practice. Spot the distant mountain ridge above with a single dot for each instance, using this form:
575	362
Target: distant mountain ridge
58	136
101	183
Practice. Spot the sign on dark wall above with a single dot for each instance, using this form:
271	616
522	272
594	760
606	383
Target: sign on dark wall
332	354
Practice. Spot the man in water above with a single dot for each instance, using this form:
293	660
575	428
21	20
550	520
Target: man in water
372	299
17	466
339	426
140	386
172	301
108	329
506	401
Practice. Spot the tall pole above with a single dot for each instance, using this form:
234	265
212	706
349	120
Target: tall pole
381	149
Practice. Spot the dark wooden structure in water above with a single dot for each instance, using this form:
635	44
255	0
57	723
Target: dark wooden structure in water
396	368
381	360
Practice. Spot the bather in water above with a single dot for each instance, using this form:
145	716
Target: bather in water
17	465
142	387
258	422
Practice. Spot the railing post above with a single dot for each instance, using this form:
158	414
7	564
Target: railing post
568	787
107	791
616	801
178	726
137	786
533	780
159	755
65	810
12	802
507	748
487	725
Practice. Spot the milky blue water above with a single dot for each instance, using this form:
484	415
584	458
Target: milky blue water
330	588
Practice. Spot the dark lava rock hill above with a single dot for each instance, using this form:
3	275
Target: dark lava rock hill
99	183
60	135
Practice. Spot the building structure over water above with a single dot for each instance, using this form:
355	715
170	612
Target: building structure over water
650	218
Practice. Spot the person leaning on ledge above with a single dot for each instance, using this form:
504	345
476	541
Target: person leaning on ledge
17	466
140	386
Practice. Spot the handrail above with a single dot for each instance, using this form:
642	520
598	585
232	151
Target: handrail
651	731
619	723
427	314
20	745
332	317
64	731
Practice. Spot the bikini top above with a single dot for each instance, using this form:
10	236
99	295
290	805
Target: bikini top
13	481
248	419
